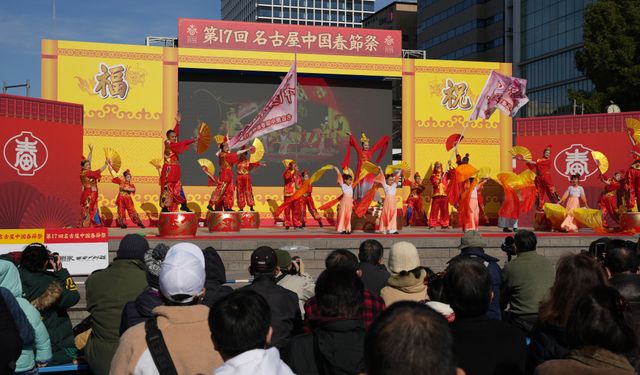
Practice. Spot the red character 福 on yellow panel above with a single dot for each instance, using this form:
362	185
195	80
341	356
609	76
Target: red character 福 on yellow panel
543	181
89	198
439	215
171	197
124	201
293	211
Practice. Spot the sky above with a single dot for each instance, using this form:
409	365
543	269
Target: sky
24	23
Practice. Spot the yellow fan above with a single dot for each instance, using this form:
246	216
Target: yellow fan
157	163
319	173
465	171
634	124
601	161
555	213
484	173
286	162
204	138
403	165
208	165
114	158
522	151
258	153
589	217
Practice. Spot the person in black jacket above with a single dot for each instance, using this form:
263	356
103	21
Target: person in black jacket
374	273
216	277
10	342
286	318
336	343
481	345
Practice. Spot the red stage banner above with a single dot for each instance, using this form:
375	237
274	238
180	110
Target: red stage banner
572	139
281	111
41	145
254	36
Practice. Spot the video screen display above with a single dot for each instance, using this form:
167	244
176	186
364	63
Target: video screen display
328	108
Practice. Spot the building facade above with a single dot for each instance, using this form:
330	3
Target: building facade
465	29
398	15
549	35
343	13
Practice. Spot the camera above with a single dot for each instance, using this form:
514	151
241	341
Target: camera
295	270
54	258
508	246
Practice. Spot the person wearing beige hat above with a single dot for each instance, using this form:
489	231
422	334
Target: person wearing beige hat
408	280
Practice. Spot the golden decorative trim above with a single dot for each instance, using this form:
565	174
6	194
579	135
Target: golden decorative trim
452	70
467	141
123	133
110	54
112	111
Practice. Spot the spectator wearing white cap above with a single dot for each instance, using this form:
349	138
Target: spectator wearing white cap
408	280
177	339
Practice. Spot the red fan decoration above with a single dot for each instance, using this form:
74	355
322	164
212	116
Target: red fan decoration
21	196
453	140
48	212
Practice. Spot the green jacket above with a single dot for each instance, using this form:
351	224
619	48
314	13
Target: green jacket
108	291
41	350
526	280
52	293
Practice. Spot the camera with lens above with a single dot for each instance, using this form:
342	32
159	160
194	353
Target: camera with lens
54	258
509	247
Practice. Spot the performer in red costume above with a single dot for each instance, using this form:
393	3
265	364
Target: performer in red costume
244	189
124	201
608	201
171	197
222	198
307	203
89	197
439	215
543	181
632	185
415	207
365	154
293	212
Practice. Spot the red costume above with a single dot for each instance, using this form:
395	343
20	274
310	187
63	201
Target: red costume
364	156
544	184
608	201
307	204
439	215
223	195
244	190
293	212
89	198
124	202
170	197
632	186
415	207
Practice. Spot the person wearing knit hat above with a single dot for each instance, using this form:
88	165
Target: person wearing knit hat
140	309
182	320
408	280
108	291
132	246
472	246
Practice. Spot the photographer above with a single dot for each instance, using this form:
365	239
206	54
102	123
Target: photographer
290	275
526	280
51	290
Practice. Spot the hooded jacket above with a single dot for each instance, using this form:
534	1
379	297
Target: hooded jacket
336	348
40	350
215	277
108	291
141	309
52	293
405	288
254	362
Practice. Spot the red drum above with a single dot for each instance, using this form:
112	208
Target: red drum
630	221
224	221
250	220
177	224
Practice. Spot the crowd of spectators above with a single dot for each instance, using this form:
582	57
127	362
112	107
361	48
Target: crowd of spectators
167	310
